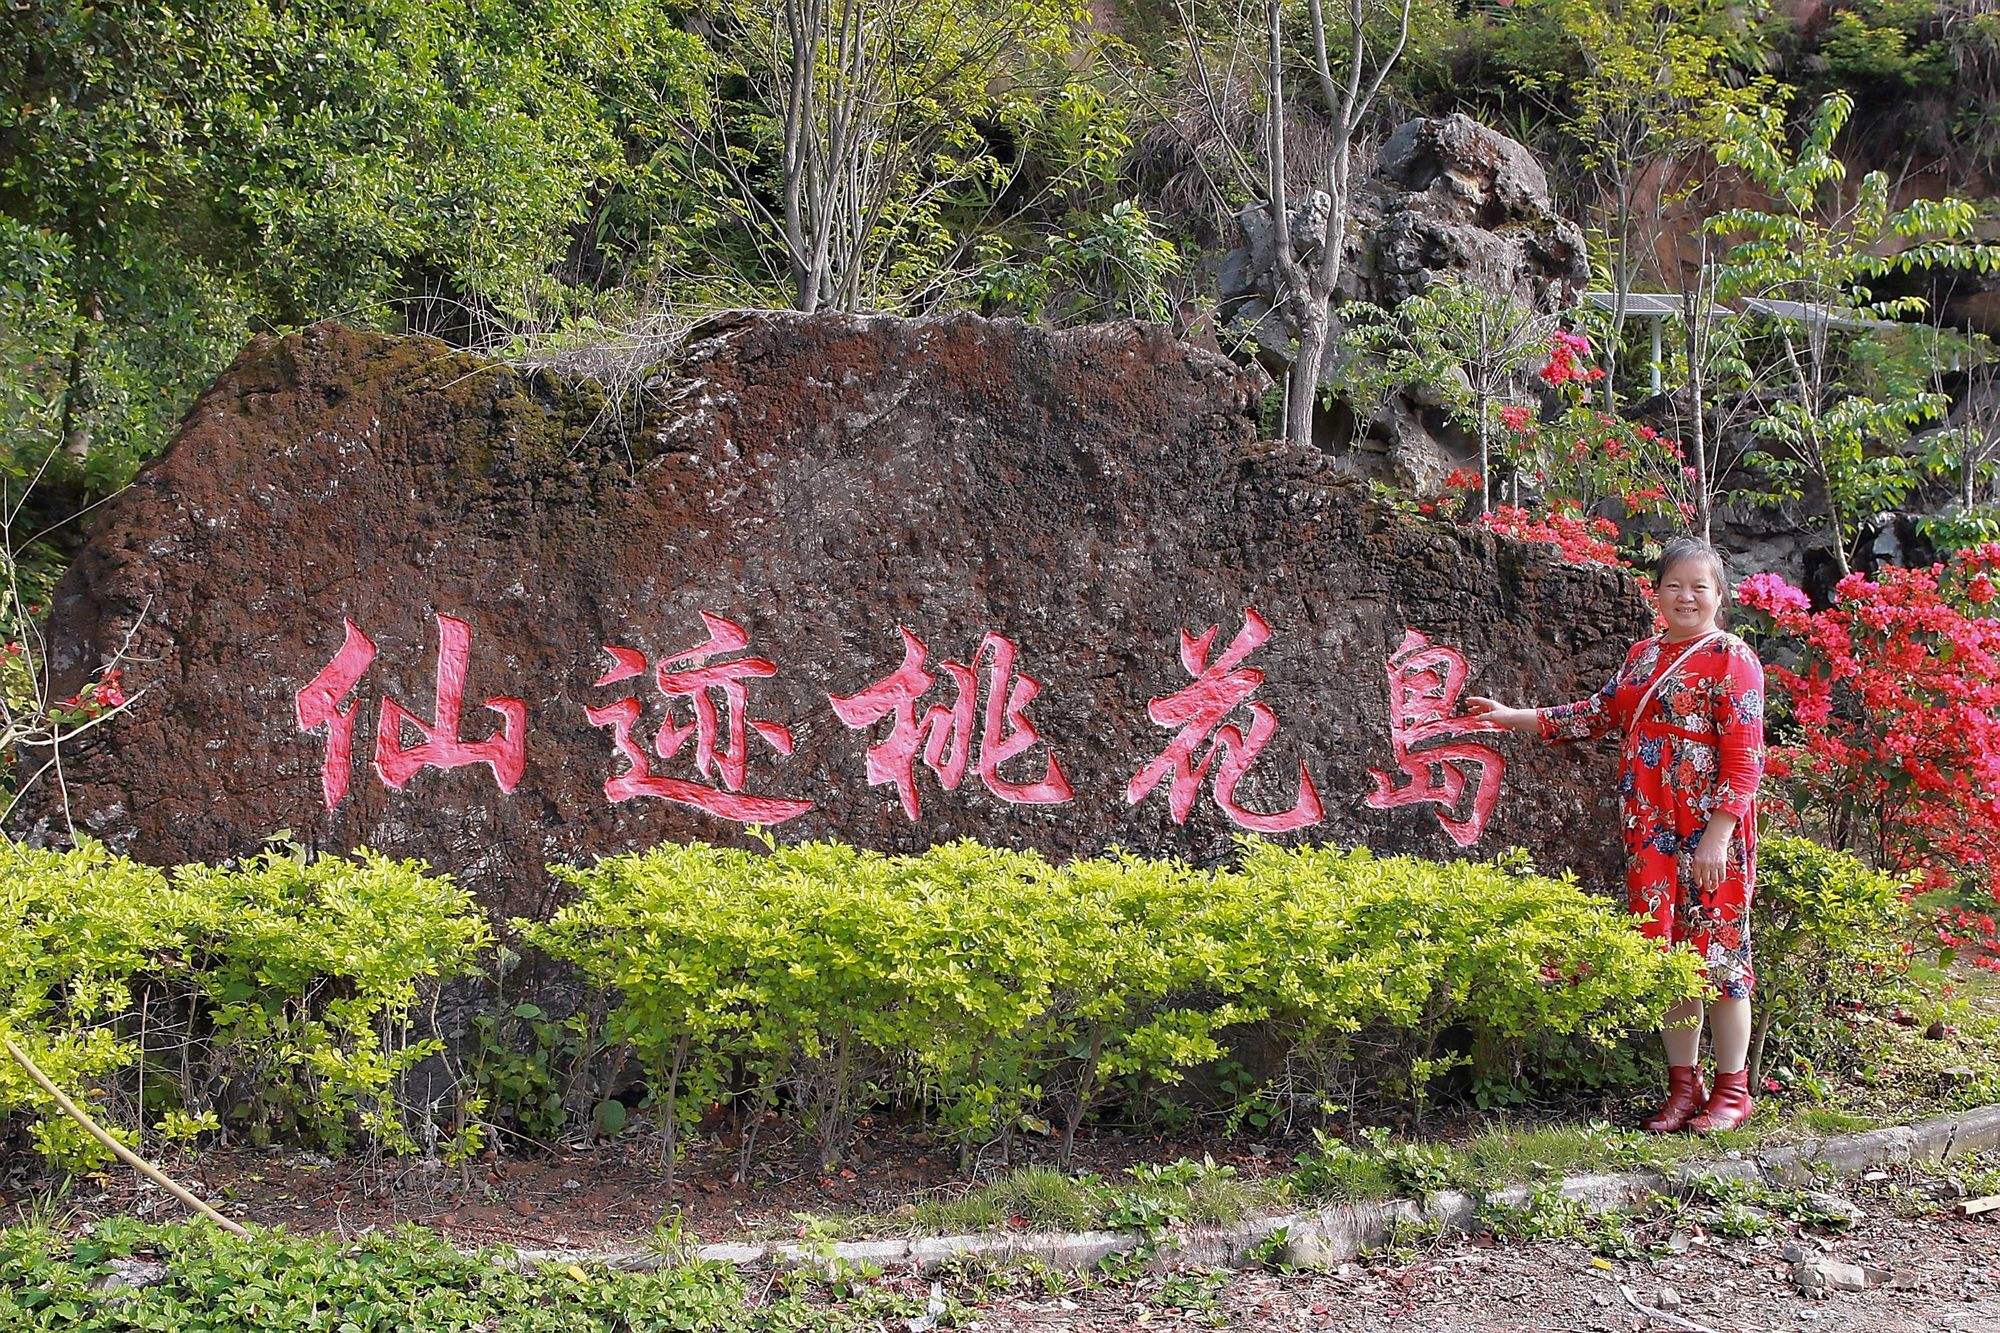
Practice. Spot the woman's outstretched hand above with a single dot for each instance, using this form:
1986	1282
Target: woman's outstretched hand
1499	714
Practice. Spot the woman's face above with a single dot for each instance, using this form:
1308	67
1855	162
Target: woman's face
1690	595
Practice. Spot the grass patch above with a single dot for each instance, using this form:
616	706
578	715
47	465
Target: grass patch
1148	1197
408	1278
1831	1120
1038	1197
1374	1166
1509	1154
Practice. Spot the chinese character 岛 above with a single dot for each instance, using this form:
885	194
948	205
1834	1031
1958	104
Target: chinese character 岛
1424	683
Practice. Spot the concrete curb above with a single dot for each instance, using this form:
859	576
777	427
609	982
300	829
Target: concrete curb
1335	1235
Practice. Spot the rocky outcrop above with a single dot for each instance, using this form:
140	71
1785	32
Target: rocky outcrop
1448	199
380	592
1454	198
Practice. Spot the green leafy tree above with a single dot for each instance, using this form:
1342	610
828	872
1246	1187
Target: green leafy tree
860	140
1853	390
1341	56
1639	91
175	176
1467	348
1112	265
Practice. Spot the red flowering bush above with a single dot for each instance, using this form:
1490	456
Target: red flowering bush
32	724
1895	706
1588	455
1580	540
1567	354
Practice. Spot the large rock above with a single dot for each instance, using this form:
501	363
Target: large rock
1452	198
1447	199
819	482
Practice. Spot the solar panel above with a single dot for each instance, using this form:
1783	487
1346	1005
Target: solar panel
1804	311
1653	305
1661	305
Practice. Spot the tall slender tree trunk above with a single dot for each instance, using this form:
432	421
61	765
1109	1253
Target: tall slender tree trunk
1829	510
74	429
1302	384
1704	521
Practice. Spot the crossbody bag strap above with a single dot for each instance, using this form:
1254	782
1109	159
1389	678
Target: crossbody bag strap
1639	709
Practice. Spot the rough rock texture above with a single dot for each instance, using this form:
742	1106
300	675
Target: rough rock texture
1470	202
821	481
1448	198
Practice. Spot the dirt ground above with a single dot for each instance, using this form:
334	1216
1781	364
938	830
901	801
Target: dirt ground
1935	1270
1944	1275
1942	1272
596	1196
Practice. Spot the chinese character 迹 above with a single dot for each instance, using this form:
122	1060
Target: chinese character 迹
720	737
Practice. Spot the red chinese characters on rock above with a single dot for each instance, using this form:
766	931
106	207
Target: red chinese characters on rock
1219	688
1424	684
318	704
721	739
708	719
943	735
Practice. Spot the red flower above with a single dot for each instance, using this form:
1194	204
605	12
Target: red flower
1896	698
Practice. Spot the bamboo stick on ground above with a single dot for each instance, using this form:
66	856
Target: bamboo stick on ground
119	1150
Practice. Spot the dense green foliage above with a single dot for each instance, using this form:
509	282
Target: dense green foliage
274	996
408	1279
282	998
79	930
1829	935
989	986
1836	436
175	177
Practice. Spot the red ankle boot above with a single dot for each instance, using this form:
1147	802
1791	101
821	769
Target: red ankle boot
1728	1106
1685	1096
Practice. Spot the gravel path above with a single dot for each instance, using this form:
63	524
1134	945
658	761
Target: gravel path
1941	1272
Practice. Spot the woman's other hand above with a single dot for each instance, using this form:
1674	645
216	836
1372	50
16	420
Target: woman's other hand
1499	714
1711	854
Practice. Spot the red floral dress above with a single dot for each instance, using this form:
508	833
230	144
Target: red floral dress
1699	749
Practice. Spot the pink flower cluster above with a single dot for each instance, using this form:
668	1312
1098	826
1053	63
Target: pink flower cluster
100	696
1567	354
1770	594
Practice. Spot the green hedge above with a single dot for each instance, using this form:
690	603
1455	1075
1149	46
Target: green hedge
981	990
1828	933
988	987
276	994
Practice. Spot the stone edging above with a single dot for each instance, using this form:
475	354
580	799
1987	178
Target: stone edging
1335	1235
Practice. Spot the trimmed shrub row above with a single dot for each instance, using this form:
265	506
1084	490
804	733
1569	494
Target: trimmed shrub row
276	994
991	988
975	989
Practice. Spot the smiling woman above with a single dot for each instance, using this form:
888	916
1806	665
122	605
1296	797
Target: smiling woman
1689	704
